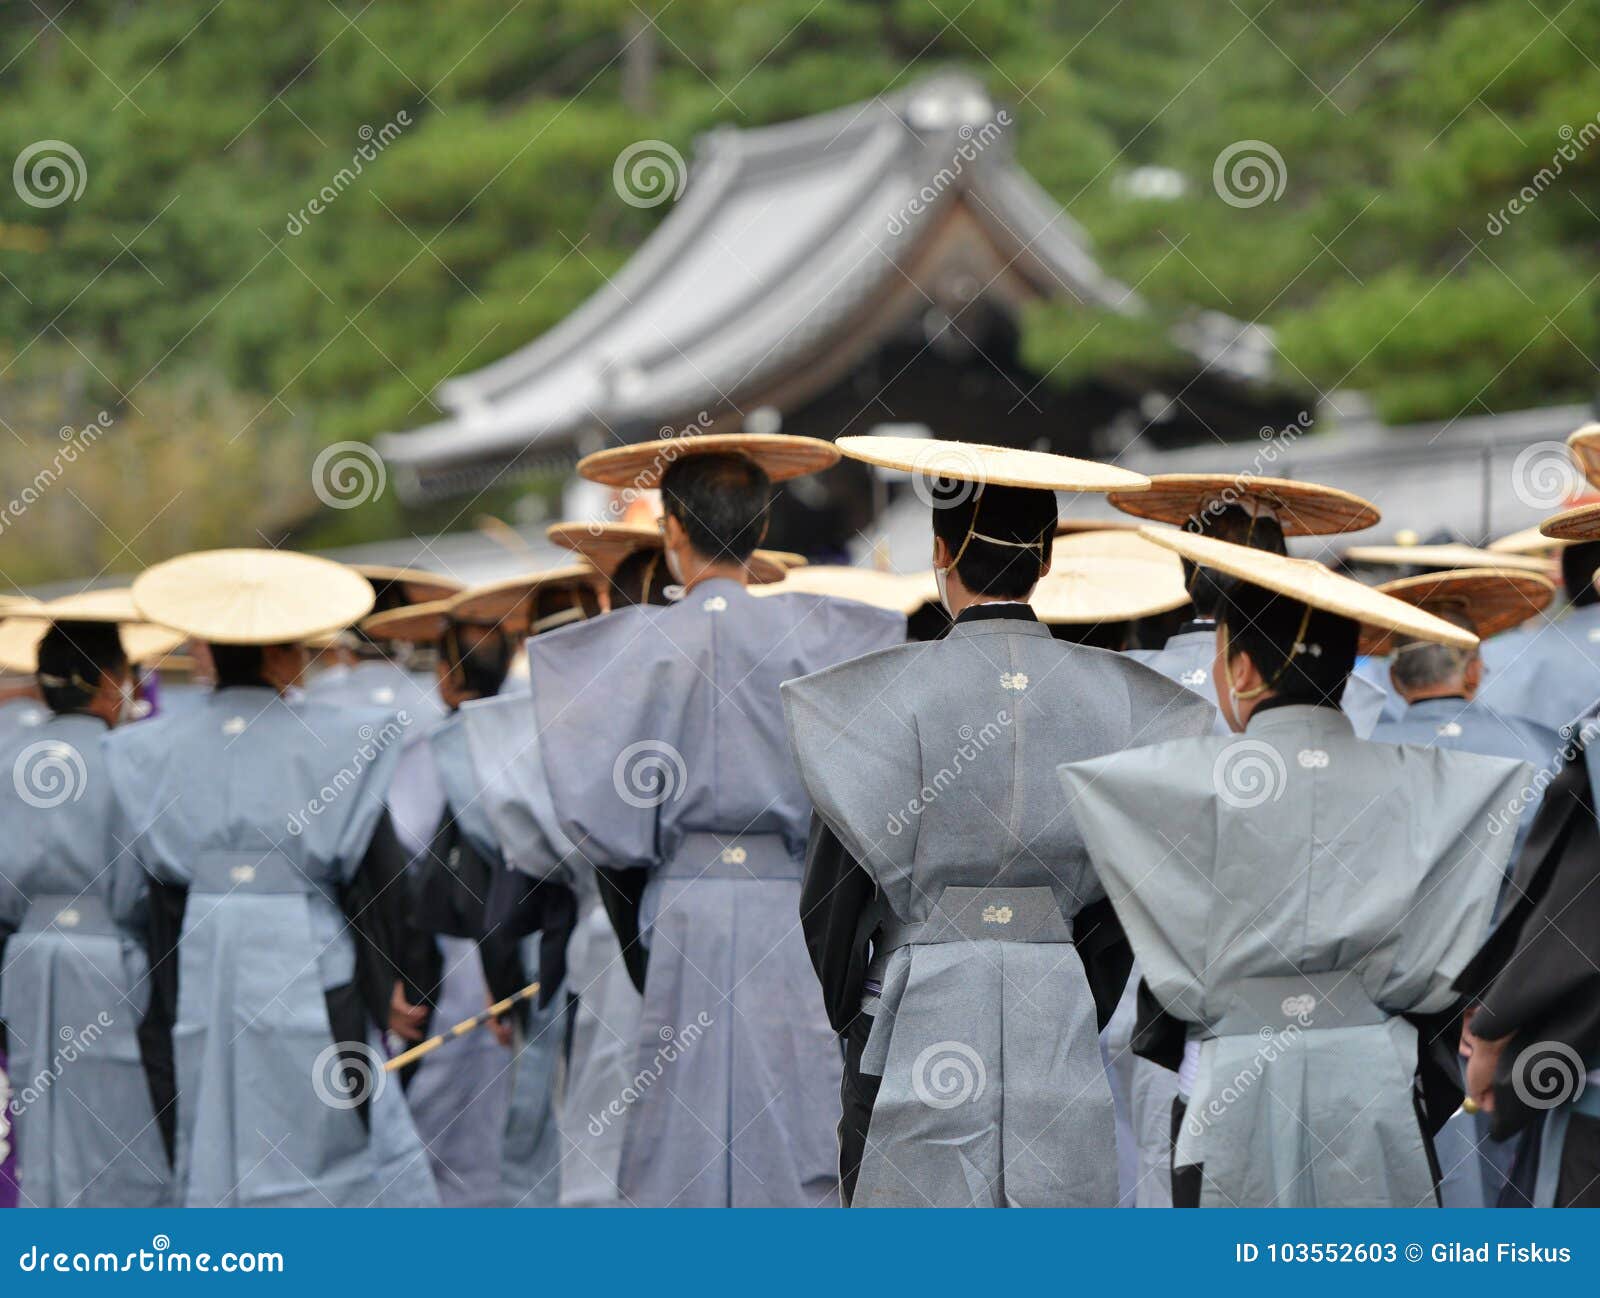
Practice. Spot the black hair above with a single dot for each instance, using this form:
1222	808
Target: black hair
641	578
1226	522
72	657
721	501
1024	516
238	664
481	667
1578	564
1304	654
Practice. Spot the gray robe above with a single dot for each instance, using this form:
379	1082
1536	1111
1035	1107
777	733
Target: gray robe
934	765
556	1149
1547	670
662	739
73	977
21	714
262	808
1189	656
460	1096
1290	893
377	683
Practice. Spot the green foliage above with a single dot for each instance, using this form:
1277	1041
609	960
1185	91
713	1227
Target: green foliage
191	260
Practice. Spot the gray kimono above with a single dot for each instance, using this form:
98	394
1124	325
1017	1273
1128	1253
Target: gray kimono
377	683
1547	670
21	714
1189	656
73	977
1290	893
934	764
460	1096
661	736
555	1148
261	809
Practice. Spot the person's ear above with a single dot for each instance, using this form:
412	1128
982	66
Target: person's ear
942	555
1472	674
673	533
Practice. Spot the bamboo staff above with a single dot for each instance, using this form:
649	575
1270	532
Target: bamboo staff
460	1029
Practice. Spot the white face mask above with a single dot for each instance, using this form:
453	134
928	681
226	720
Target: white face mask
672	565
130	707
939	576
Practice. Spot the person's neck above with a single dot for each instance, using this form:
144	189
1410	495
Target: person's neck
961	599
697	570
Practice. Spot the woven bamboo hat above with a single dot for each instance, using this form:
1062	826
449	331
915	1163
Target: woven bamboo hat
1000	466
25	622
1441	557
642	465
1081	590
1309	582
887	590
605	545
260	597
1301	508
1492	599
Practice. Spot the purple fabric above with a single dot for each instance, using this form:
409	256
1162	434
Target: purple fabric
8	1165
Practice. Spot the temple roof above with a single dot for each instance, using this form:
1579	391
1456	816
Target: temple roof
793	252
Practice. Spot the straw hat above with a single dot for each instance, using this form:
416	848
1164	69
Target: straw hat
1580	524
1087	589
259	597
412	623
418	587
885	590
509	600
1530	540
640	466
26	621
1585	447
1310	582
605	545
1120	544
1441	556
1077	526
1301	508
1494	599
1000	466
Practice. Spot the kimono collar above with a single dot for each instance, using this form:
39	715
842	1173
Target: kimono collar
1018	620
1016	610
1283	716
713	588
1454	704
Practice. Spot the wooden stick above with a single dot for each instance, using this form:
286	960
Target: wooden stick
460	1029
